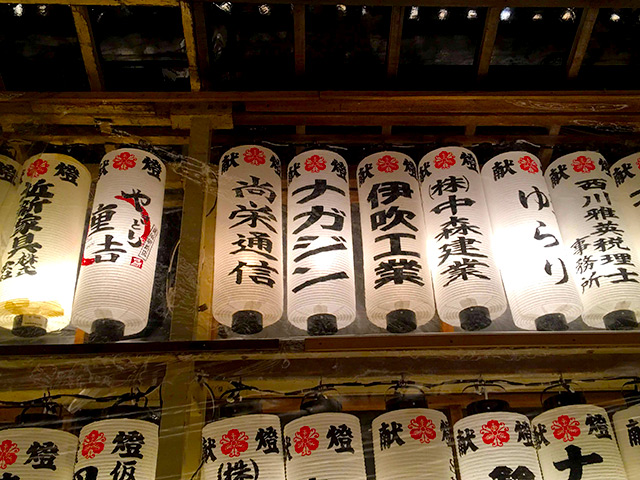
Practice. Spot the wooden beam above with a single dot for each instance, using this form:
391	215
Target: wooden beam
395	41
190	44
88	47
202	43
581	41
299	39
485	49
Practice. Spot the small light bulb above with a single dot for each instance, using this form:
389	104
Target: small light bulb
365	10
615	17
472	14
18	10
264	9
443	14
342	9
414	14
569	15
225	7
536	17
506	14
42	10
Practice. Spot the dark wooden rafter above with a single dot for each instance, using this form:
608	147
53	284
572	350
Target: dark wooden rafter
202	42
299	39
88	47
186	8
395	41
581	41
485	49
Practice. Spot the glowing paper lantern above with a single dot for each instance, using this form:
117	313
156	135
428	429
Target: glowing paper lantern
627	427
248	270
535	267
398	289
605	267
626	175
577	438
466	278
119	262
325	446
250	445
412	443
118	448
497	445
37	453
40	264
321	284
9	170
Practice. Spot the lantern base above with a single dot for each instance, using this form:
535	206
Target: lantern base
246	322
474	318
29	326
489	405
322	324
552	322
105	330
401	321
621	320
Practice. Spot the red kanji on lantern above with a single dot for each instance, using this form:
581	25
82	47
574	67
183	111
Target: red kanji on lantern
566	428
254	156
583	164
423	429
306	440
8	453
528	164
234	443
495	433
387	164
445	160
93	444
124	161
638	162
315	163
37	168
136	262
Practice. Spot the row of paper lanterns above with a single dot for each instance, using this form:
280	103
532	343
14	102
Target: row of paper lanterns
441	232
43	206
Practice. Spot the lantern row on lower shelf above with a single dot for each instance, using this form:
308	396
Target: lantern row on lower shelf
442	233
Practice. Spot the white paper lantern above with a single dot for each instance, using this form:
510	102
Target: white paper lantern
577	438
535	267
248	269
9	176
40	264
117	448
398	288
412	443
118	267
37	454
248	445
606	269
627	427
496	445
326	446
466	279
626	175
321	284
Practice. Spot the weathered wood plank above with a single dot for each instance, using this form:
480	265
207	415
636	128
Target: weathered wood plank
485	49
395	41
581	41
88	47
299	39
190	44
202	43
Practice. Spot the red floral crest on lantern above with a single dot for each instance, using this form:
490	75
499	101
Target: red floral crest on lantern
93	444
315	163
583	164
566	428
638	162
495	433
124	161
387	164
306	440
423	429
37	168
254	156
234	443
528	164
445	160
8	453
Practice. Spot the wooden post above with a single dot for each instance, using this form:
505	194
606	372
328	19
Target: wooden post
88	47
395	41
581	41
485	51
190	44
202	43
299	39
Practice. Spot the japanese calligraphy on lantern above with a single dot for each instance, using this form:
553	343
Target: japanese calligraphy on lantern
576	442
398	289
466	279
626	176
9	171
248	267
496	445
37	453
627	429
40	264
321	283
601	257
413	443
118	449
325	446
536	271
248	447
121	244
